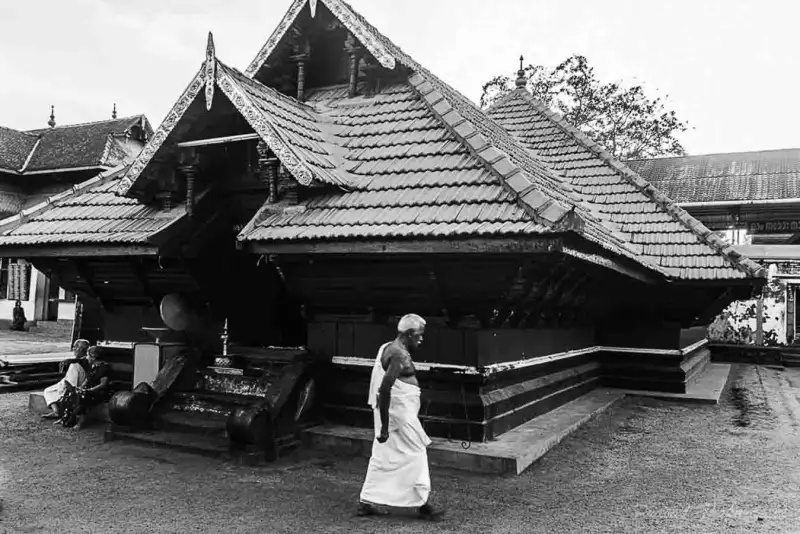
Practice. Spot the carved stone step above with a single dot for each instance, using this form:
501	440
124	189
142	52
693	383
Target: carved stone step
208	402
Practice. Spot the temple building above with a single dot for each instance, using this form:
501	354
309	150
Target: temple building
38	164
337	184
752	200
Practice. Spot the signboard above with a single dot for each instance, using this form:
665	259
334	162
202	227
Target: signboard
774	227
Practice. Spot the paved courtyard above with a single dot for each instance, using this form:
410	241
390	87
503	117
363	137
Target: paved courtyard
644	466
19	343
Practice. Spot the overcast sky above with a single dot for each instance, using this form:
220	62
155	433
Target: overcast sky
730	67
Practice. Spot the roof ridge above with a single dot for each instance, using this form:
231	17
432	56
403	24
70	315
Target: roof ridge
21	132
688	156
54	200
701	231
79	124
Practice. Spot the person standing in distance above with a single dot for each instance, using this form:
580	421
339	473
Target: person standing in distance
398	473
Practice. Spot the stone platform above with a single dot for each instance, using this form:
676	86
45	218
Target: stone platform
706	388
511	453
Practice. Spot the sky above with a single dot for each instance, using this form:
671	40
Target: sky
730	68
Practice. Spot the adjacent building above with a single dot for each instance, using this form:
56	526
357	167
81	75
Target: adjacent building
38	164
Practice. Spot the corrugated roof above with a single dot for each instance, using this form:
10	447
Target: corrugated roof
763	175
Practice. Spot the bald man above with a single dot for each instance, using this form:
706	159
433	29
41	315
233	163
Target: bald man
398	474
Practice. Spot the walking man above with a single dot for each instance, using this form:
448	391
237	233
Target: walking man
398	474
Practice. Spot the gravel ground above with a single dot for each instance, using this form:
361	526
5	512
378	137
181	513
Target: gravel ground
32	343
644	466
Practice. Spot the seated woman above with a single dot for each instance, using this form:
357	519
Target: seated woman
95	390
75	377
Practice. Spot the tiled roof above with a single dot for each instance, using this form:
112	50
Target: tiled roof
667	235
93	144
81	145
300	128
545	194
766	175
15	147
88	213
415	179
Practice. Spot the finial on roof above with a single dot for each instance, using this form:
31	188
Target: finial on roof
521	80
211	71
114	111
52	121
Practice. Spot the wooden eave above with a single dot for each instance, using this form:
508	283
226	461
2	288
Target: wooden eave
77	250
521	244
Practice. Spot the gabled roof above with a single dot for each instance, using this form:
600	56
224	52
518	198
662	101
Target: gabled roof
82	145
745	176
611	205
292	130
15	147
667	235
101	144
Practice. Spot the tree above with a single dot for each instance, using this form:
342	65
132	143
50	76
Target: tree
622	119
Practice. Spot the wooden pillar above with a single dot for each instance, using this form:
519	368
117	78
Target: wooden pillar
354	51
189	164
267	169
760	320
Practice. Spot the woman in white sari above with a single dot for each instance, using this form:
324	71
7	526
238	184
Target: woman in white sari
75	377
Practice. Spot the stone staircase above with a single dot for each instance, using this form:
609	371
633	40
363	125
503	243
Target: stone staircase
196	420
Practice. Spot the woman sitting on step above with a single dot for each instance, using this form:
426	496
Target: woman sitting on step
77	402
75	377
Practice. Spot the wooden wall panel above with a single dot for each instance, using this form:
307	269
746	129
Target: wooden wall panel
497	346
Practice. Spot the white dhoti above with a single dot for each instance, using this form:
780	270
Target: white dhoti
75	376
398	472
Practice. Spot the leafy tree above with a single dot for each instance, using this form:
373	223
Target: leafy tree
622	119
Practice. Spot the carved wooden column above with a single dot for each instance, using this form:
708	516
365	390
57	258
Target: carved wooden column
268	170
354	51
301	54
288	185
188	167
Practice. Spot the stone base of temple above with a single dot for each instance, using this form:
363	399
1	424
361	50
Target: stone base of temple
511	453
482	404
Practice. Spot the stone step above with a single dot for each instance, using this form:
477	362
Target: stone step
513	452
28	385
790	359
193	423
218	382
208	402
205	445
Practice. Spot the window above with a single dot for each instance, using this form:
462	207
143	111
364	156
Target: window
736	236
15	279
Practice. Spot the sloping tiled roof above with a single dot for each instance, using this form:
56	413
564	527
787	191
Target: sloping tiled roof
415	177
765	175
300	128
88	213
668	236
15	147
623	214
78	145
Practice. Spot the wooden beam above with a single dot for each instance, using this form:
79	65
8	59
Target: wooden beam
71	251
88	276
141	275
521	244
641	273
218	140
